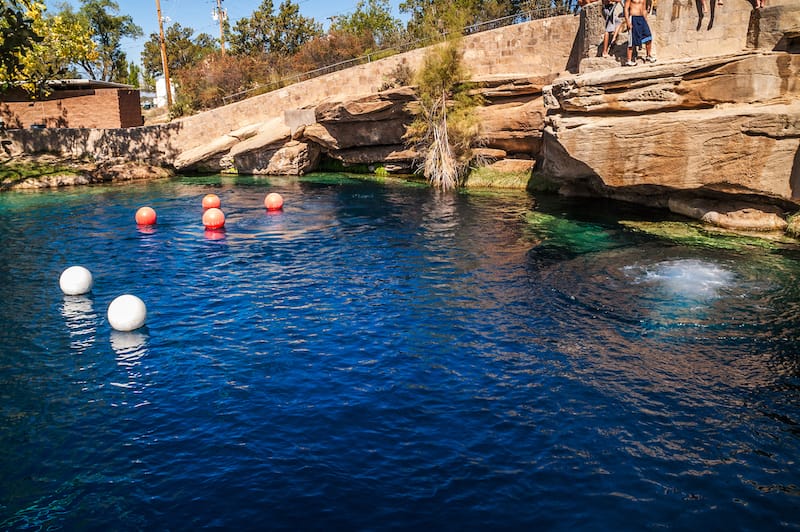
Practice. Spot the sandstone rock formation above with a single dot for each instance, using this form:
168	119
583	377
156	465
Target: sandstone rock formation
369	131
727	124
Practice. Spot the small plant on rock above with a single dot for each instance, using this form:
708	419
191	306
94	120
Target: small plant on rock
445	125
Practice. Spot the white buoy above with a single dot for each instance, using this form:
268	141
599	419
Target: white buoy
127	313
75	281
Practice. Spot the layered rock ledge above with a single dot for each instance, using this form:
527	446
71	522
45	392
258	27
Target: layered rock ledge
724	126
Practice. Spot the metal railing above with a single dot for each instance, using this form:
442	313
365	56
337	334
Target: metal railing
527	15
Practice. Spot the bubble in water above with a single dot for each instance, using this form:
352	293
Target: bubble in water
691	278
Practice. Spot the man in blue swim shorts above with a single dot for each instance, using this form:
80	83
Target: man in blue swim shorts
636	16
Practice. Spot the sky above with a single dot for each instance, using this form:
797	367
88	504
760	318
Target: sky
196	14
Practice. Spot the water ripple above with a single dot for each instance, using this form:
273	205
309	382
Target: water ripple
386	357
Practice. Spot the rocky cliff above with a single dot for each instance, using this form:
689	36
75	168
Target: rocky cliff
711	136
714	137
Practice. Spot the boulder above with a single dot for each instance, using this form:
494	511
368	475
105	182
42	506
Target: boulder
731	214
514	127
295	158
756	148
513	165
254	154
488	154
345	135
386	105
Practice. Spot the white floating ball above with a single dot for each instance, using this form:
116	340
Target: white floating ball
127	313
76	280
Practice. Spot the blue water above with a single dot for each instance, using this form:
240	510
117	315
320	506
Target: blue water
381	356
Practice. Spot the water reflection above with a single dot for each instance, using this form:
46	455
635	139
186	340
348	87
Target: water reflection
214	234
130	348
81	321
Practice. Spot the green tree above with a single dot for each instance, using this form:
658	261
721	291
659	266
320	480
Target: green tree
61	42
17	34
134	73
429	18
183	49
372	18
107	29
445	124
267	32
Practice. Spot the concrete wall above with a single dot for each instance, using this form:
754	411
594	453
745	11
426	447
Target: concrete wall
80	108
680	30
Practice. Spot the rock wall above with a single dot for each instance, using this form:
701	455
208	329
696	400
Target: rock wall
688	128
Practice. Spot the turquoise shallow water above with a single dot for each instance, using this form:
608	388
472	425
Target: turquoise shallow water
382	356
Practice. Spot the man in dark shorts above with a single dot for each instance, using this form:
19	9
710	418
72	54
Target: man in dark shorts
636	16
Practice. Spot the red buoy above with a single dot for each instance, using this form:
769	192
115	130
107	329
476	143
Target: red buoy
213	218
145	216
211	201
273	201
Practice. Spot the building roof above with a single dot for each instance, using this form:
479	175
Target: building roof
65	84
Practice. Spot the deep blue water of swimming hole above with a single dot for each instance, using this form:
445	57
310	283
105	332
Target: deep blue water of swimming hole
383	356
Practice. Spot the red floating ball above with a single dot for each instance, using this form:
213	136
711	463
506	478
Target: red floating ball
213	218
273	201
146	216
211	201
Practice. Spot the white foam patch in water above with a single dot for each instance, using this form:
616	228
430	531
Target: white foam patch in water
690	278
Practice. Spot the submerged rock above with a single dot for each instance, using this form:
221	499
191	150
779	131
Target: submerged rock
735	215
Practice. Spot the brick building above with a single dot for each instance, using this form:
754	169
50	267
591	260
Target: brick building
74	103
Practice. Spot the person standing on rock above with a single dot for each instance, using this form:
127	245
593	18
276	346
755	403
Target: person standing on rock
636	17
613	13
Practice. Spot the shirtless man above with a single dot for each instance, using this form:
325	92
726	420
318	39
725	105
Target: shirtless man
636	16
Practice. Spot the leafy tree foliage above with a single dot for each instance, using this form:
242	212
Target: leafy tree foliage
429	18
183	49
371	18
107	29
134	73
65	41
266	32
204	84
60	41
17	34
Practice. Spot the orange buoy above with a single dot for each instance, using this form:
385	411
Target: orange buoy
211	201
145	216
213	218
273	201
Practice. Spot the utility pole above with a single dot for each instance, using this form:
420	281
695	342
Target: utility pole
221	15
164	53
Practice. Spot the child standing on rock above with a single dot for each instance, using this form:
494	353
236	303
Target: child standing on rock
636	16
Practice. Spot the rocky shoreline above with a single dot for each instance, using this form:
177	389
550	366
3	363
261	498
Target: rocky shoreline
46	170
